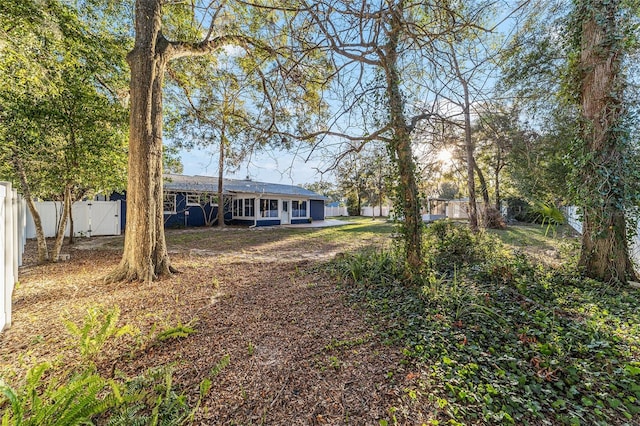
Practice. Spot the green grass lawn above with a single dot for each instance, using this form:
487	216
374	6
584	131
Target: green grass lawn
354	231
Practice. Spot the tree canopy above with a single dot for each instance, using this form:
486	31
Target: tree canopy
504	87
62	120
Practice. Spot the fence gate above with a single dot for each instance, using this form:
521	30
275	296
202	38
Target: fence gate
90	218
104	217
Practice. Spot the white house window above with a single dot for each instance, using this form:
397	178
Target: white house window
249	207
298	208
193	199
268	208
169	203
243	207
213	200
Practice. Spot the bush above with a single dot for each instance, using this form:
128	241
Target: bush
492	218
450	245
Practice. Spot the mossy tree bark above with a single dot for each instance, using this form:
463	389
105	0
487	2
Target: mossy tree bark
605	251
400	145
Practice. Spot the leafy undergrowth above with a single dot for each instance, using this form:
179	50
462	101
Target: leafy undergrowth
501	340
63	395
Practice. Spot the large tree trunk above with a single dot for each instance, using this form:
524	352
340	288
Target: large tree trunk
43	251
484	189
401	146
605	252
72	231
145	256
486	213
496	178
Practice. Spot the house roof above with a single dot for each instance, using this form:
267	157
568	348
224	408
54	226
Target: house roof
184	183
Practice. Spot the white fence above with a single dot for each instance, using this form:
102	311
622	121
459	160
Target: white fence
573	220
335	211
12	240
452	209
370	211
90	218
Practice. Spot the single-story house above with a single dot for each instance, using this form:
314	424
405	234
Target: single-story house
193	201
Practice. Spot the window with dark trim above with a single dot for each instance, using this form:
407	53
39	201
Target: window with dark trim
243	207
268	208
169	203
298	208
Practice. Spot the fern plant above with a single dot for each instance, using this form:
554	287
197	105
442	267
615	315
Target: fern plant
152	399
178	331
98	326
73	400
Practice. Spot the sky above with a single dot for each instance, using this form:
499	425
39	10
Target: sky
273	167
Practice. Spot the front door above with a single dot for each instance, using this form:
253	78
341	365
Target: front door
285	219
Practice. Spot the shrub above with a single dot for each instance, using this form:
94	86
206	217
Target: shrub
79	395
492	218
549	215
450	245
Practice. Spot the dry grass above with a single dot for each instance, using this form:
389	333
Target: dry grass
298	353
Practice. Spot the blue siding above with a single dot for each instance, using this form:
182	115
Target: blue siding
259	222
295	221
196	216
317	209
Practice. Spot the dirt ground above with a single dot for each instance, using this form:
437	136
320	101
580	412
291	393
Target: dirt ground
299	353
